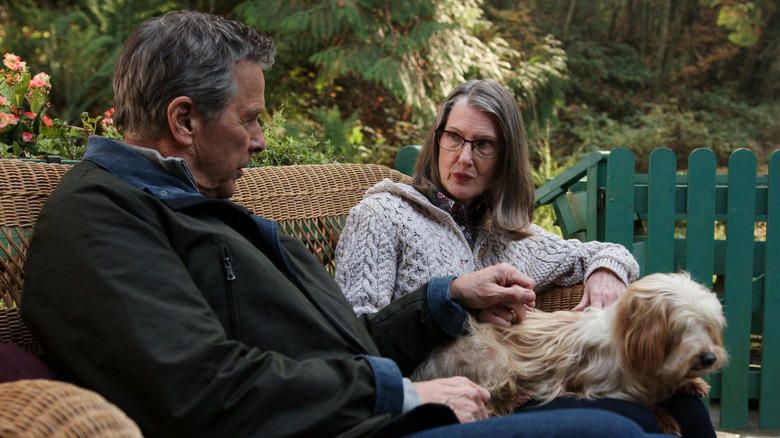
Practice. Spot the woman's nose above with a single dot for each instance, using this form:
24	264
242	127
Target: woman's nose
466	153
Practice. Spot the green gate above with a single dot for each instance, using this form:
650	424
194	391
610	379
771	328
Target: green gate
704	223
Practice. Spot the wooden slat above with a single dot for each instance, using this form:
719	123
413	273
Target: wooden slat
620	198
660	208
769	401
738	296
700	225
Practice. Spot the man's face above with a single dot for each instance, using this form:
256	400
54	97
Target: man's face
224	146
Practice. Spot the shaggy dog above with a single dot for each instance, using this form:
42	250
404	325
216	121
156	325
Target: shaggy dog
657	339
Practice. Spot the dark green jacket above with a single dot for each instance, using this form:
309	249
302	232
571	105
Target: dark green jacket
197	319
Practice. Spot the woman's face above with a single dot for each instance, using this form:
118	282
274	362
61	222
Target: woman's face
464	176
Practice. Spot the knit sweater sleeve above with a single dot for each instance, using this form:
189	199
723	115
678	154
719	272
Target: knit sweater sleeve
551	260
366	257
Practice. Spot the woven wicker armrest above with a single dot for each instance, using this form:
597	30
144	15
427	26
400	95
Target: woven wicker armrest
559	298
47	408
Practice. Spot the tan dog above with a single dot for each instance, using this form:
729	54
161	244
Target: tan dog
658	339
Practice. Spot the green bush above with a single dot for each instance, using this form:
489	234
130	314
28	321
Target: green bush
283	150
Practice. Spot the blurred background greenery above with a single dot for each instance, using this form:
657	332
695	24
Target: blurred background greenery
355	80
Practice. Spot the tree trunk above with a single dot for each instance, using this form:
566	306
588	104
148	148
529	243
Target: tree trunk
613	20
569	17
660	54
679	11
643	23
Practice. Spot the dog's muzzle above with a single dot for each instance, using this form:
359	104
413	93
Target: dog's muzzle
706	360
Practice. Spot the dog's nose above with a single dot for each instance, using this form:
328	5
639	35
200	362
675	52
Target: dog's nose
707	359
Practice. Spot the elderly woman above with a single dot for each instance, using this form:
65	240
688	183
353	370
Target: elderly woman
470	206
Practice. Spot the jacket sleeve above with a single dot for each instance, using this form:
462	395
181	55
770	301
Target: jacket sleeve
551	260
119	313
367	257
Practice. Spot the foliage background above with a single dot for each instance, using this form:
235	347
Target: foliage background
355	80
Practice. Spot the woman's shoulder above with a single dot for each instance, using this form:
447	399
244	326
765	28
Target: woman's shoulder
388	191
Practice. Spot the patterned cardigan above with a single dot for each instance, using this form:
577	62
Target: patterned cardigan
395	240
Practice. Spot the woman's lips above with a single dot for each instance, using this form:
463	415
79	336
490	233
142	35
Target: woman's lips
462	177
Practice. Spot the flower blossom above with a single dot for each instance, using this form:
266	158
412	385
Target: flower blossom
47	122
40	80
4	101
14	62
27	137
7	119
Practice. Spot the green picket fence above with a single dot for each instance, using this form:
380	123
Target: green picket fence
704	223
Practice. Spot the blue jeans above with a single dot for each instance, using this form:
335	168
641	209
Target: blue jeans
563	423
689	412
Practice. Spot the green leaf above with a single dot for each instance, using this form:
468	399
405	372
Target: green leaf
20	90
38	99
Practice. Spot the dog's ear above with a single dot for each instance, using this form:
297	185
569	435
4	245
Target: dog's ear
641	326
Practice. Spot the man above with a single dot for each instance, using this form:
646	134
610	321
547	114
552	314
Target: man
197	318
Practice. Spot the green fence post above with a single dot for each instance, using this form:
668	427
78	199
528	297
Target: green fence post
738	287
700	213
769	399
661	191
619	214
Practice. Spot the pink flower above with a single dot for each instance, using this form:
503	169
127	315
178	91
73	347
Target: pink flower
4	101
7	119
107	121
27	137
110	112
40	80
46	122
14	62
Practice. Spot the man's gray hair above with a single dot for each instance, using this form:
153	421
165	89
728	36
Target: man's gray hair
182	53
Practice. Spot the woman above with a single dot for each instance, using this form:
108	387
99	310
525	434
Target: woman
470	206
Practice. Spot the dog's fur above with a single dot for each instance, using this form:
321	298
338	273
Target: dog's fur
659	338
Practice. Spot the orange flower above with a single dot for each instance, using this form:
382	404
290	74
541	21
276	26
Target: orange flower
14	62
40	80
7	119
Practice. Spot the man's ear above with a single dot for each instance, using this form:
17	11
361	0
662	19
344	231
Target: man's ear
183	119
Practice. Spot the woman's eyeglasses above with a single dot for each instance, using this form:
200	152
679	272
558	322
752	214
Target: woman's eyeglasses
480	148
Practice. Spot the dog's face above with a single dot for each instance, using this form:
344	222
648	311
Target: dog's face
671	327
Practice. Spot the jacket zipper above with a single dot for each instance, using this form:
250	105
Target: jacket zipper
230	276
228	265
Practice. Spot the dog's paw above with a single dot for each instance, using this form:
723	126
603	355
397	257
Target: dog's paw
695	388
521	399
667	423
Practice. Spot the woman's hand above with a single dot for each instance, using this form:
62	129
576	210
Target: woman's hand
602	288
500	294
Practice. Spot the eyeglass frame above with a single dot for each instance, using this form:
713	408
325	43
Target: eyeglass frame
474	149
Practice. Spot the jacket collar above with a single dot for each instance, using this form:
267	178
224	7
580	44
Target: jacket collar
150	172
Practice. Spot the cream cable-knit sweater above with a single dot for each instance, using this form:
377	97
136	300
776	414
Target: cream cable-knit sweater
395	241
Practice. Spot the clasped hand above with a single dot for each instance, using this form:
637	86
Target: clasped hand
499	294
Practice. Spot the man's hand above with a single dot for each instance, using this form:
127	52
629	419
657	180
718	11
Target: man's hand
602	288
500	293
464	397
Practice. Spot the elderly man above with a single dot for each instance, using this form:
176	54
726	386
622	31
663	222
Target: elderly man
197	318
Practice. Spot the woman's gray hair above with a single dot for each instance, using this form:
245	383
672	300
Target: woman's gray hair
510	199
182	53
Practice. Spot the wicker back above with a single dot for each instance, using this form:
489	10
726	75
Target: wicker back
310	202
24	186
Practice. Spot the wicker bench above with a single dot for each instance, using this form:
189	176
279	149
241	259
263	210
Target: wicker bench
310	202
